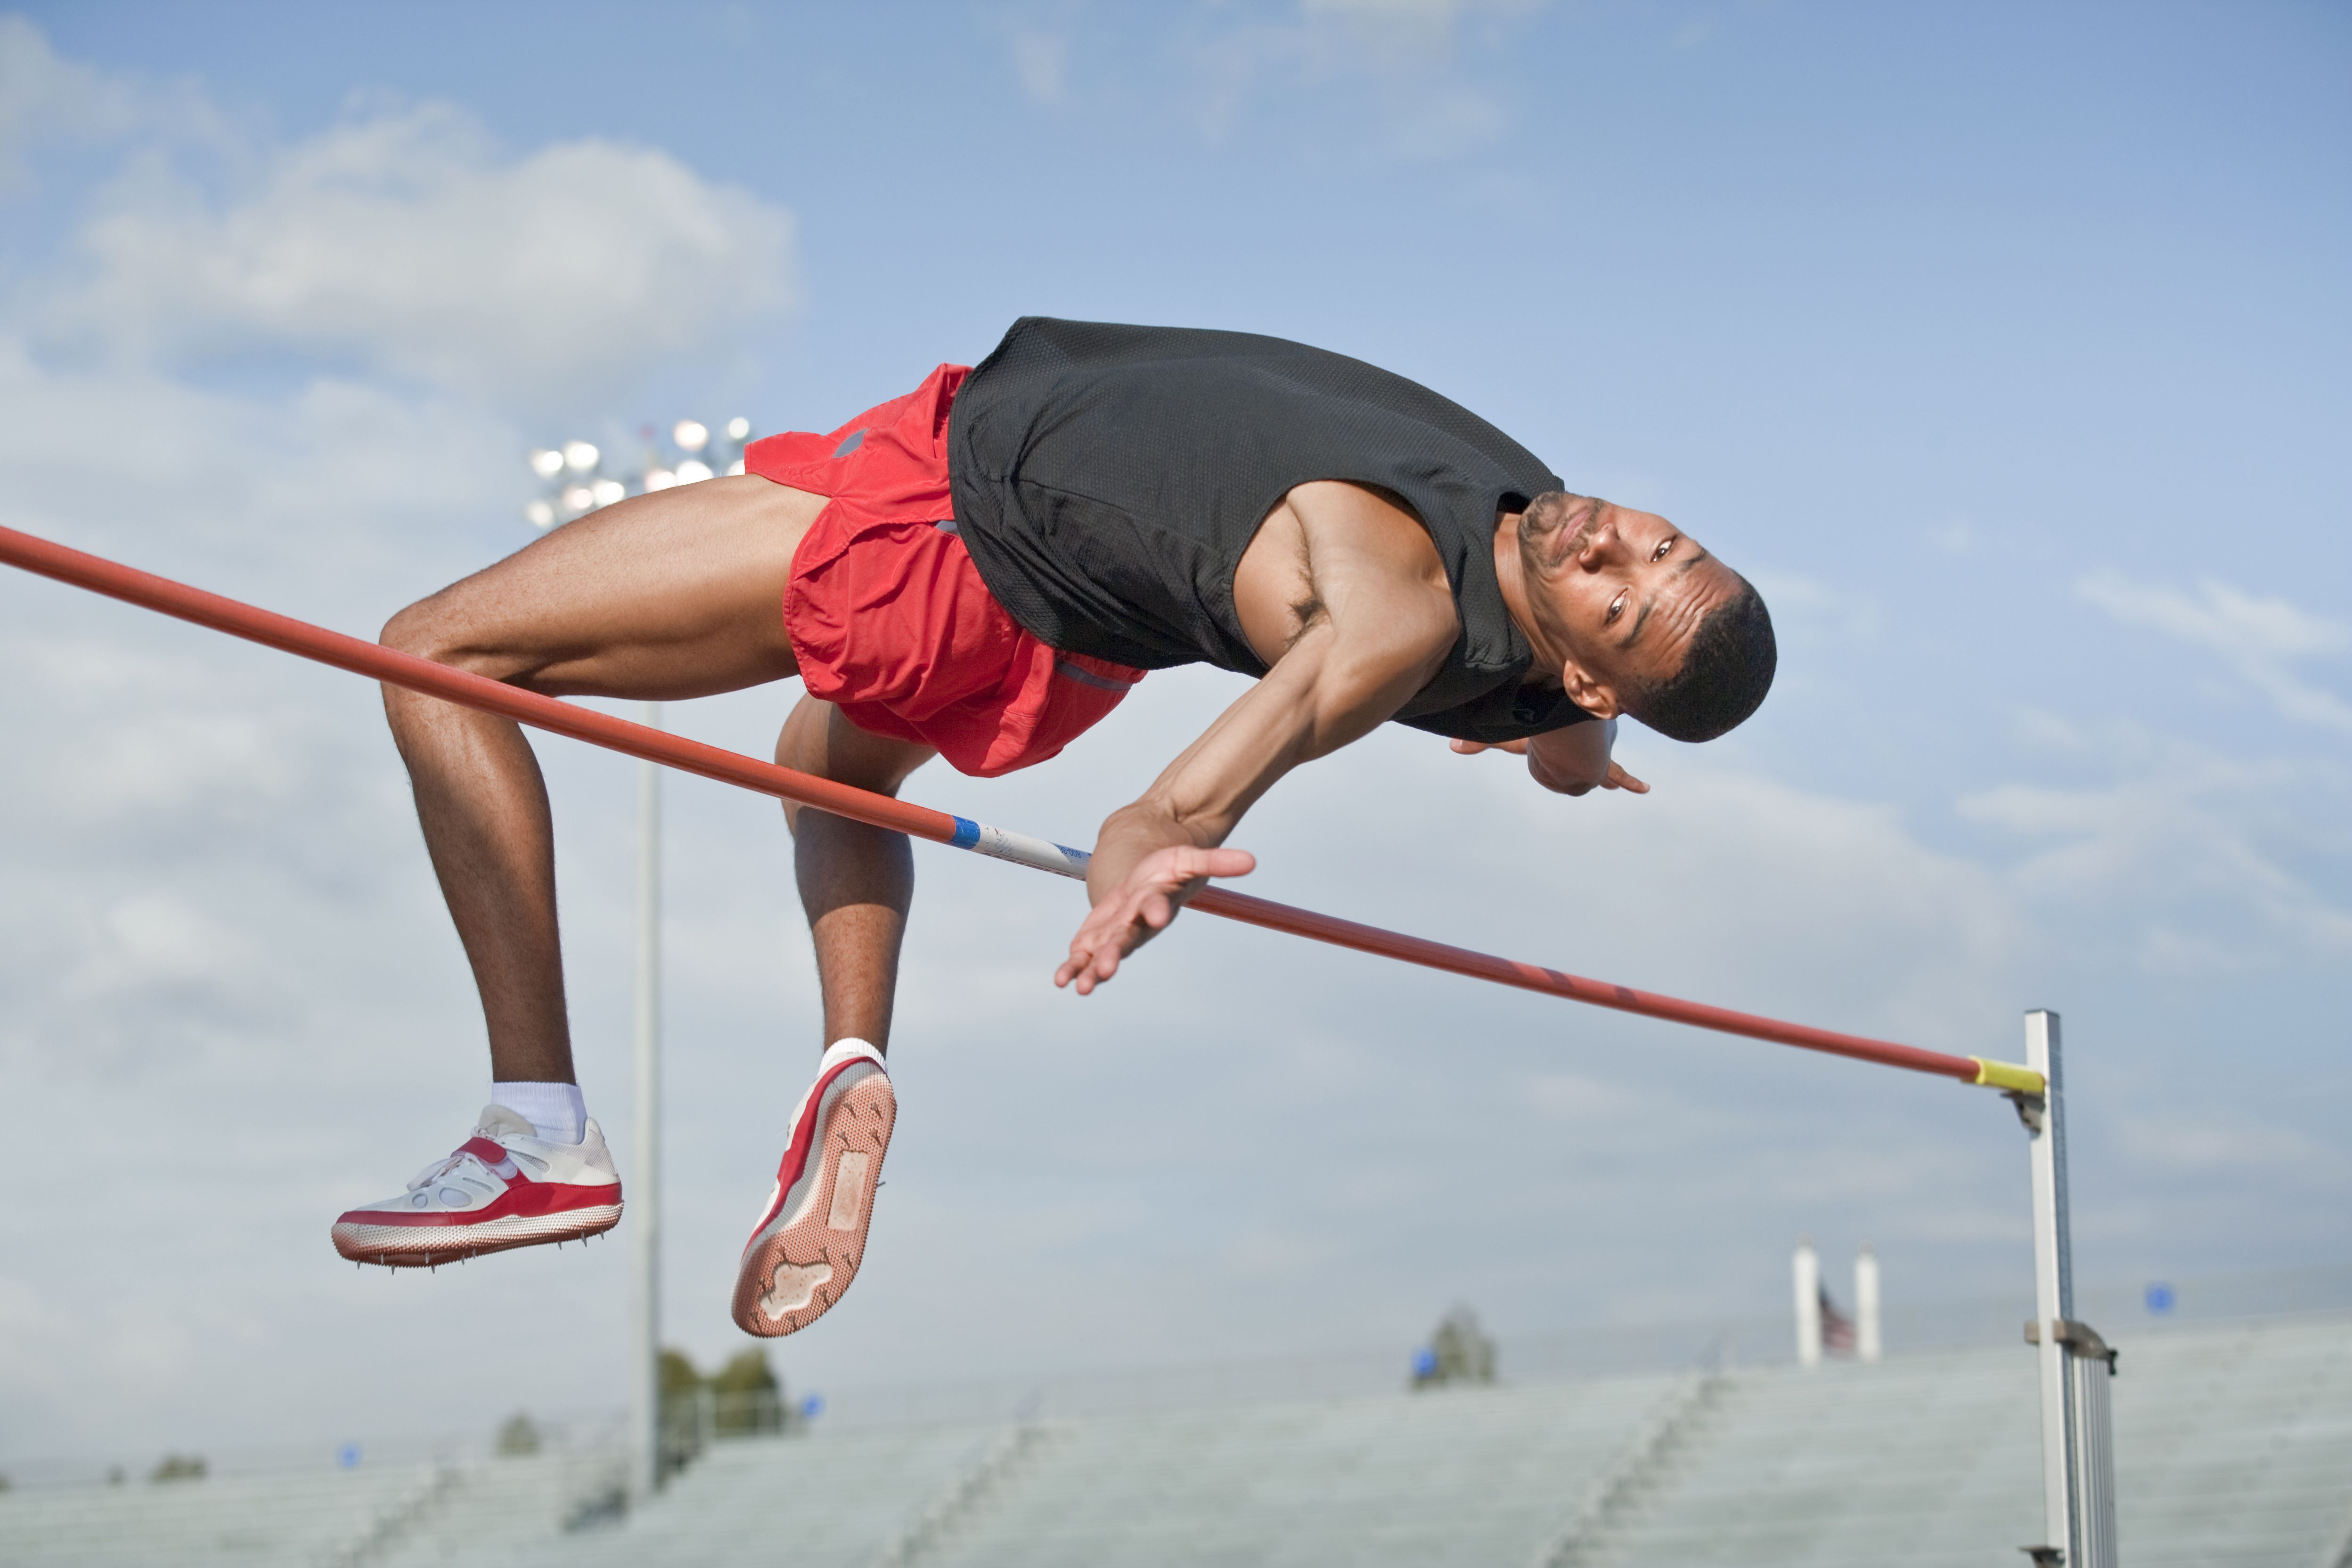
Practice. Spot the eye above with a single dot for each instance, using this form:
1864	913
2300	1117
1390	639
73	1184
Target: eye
1616	608
1660	552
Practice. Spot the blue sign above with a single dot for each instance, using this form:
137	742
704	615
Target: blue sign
348	1457
2159	1298
812	1407
1424	1362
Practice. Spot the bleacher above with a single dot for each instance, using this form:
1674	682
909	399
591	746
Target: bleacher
224	1520
1474	1474
2236	1446
2233	1448
803	1500
1922	1461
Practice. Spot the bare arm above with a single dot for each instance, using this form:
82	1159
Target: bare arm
1372	618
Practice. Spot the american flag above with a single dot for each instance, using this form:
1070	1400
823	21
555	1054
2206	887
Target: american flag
1837	1329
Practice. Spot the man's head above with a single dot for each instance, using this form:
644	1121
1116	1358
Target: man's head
1643	621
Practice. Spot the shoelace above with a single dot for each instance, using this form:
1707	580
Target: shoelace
456	1157
434	1173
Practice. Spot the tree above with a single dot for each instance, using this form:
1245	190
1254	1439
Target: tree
748	1395
519	1435
1459	1351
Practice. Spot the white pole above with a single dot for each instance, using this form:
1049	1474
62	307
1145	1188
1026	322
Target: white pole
2054	1282
1866	1343
645	1189
2077	1457
1805	1272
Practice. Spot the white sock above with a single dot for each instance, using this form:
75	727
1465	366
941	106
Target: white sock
556	1111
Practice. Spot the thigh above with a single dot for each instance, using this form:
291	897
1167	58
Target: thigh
675	594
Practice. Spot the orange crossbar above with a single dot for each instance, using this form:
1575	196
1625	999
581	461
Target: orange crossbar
290	636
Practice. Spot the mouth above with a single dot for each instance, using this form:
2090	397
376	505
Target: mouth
1572	544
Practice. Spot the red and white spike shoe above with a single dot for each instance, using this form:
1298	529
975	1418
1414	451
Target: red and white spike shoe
805	1249
503	1187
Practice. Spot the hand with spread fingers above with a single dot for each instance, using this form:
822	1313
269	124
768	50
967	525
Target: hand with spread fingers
1140	907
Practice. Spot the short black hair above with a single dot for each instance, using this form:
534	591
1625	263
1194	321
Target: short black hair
1723	676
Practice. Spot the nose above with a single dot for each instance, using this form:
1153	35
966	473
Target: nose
1603	546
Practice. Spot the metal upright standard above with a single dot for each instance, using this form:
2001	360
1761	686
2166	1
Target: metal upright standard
2078	1466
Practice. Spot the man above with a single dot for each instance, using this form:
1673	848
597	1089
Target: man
980	570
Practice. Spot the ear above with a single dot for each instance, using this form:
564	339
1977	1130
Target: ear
1588	692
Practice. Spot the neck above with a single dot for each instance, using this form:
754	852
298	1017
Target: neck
1511	576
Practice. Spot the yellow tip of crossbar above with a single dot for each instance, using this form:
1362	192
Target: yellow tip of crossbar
2009	1075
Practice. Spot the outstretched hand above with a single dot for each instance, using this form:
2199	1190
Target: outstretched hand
1615	778
1140	907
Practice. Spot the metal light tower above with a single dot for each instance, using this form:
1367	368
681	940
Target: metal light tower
577	485
644	1368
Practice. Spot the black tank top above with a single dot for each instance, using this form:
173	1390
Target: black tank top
1108	479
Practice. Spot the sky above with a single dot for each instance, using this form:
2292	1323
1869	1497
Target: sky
2004	347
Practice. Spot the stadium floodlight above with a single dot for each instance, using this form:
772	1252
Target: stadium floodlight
578	484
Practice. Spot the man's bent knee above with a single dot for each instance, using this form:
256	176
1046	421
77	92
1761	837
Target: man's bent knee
432	629
818	739
412	630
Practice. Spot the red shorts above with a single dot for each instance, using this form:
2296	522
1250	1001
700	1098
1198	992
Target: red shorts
889	619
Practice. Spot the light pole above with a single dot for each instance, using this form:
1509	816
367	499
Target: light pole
577	485
644	1383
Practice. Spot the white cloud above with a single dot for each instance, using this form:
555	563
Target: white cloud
43	97
2207	859
1693	33
1041	62
2216	1140
156	939
2263	639
1401	24
407	242
1407	52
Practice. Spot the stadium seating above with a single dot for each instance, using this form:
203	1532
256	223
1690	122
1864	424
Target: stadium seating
816	1501
1472	1475
2233	1448
228	1520
2236	1446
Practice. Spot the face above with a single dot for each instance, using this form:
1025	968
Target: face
1618	593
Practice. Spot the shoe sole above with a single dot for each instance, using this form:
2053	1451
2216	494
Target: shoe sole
428	1246
793	1273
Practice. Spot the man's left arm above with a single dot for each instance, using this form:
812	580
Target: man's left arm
1571	761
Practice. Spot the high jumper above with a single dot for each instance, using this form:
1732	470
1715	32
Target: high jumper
982	570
